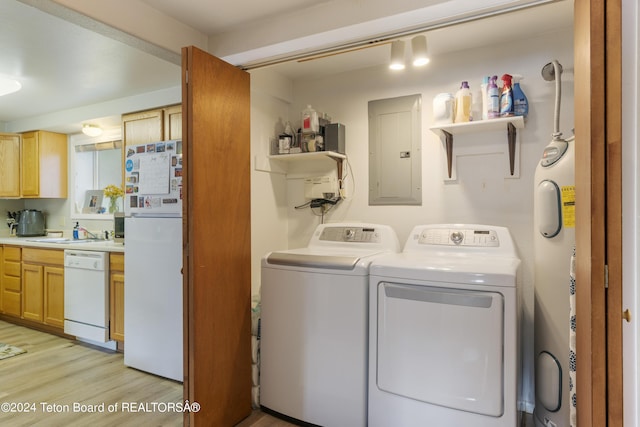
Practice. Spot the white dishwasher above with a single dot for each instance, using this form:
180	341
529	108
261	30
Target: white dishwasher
86	294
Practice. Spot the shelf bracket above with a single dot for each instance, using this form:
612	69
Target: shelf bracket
339	164
449	145
511	135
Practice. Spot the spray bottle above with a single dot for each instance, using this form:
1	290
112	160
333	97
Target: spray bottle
493	95
520	102
506	98
463	103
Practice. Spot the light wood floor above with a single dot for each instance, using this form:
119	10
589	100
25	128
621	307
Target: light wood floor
62	372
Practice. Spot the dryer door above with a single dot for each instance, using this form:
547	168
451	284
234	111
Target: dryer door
442	346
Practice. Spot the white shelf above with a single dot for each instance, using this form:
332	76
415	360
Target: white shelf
510	124
293	165
481	125
311	156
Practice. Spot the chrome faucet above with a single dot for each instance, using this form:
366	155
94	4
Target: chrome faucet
92	235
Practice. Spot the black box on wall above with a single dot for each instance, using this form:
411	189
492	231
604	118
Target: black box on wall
334	137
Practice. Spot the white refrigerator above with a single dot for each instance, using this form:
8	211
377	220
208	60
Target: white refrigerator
153	259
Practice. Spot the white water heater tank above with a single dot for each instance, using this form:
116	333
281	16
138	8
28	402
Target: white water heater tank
554	240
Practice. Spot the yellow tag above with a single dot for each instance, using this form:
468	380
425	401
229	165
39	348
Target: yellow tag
569	205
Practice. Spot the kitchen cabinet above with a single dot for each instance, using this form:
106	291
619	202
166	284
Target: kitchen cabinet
152	125
173	122
9	165
11	283
43	170
43	286
116	297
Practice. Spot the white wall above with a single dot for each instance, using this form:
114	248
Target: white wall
630	211
270	107
481	193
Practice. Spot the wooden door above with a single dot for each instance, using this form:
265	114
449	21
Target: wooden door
217	273
54	296
598	212
9	165
32	292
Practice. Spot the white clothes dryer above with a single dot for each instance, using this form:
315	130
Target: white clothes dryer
314	325
443	334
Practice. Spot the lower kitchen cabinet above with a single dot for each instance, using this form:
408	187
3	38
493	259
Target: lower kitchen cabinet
43	286
33	292
116	297
10	282
54	296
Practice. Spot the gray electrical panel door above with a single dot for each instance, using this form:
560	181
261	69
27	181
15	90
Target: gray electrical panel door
395	175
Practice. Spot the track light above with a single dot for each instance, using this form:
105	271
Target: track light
419	49
91	130
397	55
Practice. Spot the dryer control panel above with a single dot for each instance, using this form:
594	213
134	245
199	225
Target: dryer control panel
351	234
459	237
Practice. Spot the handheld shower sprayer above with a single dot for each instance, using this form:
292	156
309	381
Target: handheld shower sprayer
552	71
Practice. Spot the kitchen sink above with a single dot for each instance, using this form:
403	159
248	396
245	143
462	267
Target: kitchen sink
62	240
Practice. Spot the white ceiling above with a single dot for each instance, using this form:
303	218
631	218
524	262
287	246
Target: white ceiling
63	66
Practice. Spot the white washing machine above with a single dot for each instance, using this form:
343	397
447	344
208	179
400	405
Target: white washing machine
314	325
443	334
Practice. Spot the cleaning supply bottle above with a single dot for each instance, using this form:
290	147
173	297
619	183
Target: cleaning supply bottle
520	102
76	230
463	104
506	98
493	99
485	97
310	122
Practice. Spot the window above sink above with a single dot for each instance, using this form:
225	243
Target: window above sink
95	162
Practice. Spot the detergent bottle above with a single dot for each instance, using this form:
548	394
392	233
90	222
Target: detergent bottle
493	99
506	98
520	102
463	103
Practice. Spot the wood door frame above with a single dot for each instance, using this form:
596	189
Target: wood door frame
597	54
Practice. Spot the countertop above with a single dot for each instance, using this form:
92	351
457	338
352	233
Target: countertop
97	245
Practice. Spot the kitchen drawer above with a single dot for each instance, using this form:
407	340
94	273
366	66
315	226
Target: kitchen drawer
13	284
11	303
116	262
11	269
43	256
11	253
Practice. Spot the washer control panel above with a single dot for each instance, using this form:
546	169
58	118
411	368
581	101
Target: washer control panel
350	234
459	237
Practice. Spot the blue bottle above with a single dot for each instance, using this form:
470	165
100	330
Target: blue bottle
520	102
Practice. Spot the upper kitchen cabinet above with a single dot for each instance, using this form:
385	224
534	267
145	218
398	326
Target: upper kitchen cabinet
173	122
152	125
9	165
43	171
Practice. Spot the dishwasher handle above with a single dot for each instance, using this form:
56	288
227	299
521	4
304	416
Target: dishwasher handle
86	260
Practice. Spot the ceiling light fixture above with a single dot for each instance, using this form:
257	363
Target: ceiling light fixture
91	130
419	49
8	86
397	55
